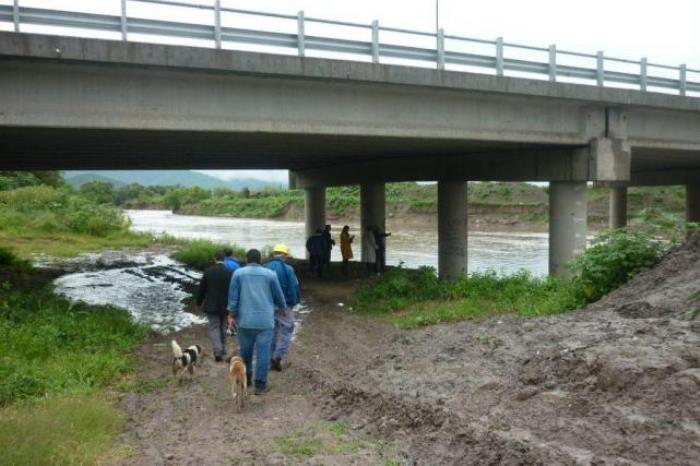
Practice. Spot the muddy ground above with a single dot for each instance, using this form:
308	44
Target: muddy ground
617	383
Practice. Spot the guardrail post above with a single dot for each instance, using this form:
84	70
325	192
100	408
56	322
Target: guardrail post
499	56
217	23
300	33
15	14
600	68
682	80
553	62
643	75
375	41
123	20
441	49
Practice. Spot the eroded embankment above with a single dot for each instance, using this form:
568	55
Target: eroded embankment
615	383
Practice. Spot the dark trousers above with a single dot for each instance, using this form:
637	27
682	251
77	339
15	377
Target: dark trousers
380	262
261	342
316	264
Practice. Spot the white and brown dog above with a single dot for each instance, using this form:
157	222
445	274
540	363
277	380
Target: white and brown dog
239	381
185	361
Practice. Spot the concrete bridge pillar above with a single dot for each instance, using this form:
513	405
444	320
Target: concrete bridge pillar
618	207
692	202
452	229
372	212
314	210
568	210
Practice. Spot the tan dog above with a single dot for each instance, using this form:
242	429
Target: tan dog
239	381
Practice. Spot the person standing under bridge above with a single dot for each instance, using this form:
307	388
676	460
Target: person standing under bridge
346	240
284	320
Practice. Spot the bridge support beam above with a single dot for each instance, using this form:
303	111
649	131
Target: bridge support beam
692	202
372	212
568	210
618	207
314	210
452	229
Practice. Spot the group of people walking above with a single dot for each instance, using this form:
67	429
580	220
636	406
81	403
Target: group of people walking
256	302
321	244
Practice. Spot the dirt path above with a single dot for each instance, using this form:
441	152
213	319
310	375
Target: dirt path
614	384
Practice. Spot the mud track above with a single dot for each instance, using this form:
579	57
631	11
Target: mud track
616	383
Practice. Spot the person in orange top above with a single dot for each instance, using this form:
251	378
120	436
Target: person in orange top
346	240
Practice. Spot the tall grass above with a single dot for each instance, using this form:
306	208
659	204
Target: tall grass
412	298
199	254
415	298
49	345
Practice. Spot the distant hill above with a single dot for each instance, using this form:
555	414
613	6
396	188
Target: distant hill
184	178
79	180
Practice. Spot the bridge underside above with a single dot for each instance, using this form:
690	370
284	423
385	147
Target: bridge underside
68	103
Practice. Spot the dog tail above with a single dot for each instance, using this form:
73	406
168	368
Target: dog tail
177	351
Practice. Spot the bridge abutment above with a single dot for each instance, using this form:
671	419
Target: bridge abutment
568	210
452	228
372	212
618	207
314	210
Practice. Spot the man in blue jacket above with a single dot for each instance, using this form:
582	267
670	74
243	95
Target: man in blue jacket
254	296
284	321
229	261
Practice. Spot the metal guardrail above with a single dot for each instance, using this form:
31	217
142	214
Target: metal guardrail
374	48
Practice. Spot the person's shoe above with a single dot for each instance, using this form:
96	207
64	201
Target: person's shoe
218	358
276	365
261	391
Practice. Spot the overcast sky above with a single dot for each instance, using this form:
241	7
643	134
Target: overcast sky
666	32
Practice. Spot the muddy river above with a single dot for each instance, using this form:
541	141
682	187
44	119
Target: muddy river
505	253
154	288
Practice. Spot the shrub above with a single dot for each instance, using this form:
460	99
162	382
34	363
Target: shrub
613	258
199	254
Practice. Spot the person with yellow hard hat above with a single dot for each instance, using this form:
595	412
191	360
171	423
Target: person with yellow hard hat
284	319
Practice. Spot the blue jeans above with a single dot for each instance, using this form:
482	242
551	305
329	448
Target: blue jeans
284	328
261	341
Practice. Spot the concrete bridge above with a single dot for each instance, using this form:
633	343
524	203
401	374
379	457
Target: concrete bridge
69	103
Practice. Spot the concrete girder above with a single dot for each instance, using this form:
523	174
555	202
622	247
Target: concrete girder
603	160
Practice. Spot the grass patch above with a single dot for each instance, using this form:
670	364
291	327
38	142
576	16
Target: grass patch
411	299
199	254
59	431
51	346
319	439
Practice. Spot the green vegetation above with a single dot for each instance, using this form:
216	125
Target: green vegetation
324	439
199	253
59	431
59	362
57	221
612	259
413	298
51	346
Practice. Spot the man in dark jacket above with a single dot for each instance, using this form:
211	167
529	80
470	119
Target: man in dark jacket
213	293
316	247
